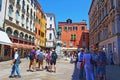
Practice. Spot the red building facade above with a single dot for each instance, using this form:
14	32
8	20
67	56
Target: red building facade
74	35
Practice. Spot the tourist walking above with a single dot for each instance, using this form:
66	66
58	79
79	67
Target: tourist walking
33	59
15	64
88	66
40	58
53	59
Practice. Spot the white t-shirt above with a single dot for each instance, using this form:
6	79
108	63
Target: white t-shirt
37	52
16	55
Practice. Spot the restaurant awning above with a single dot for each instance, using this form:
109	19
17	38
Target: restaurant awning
4	39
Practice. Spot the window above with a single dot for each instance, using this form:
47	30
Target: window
31	25
83	37
31	13
83	28
73	36
38	32
10	10
31	2
23	4
64	44
50	36
113	27
17	15
0	5
83	44
70	28
50	25
50	18
27	23
34	15
22	19
42	34
21	35
100	36
27	8
75	28
112	3
71	43
106	9
16	33
9	30
18	1
106	32
65	28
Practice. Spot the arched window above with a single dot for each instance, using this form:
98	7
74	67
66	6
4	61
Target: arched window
33	39
9	30
21	35
16	33
26	37
50	36
30	38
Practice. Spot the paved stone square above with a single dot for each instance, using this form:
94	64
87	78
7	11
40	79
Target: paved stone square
65	71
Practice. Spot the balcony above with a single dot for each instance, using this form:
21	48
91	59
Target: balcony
17	22
12	1
18	6
10	18
73	39
22	25
27	14
23	11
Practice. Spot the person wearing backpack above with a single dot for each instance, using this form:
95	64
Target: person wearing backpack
15	64
53	59
40	58
32	58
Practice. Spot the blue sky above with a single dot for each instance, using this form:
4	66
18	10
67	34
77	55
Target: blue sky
77	10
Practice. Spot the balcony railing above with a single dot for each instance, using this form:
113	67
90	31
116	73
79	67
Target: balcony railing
18	6
23	11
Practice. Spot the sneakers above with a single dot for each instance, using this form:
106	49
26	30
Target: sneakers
15	76
11	76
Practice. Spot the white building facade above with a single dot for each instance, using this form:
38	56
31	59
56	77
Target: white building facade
104	16
51	30
2	12
19	25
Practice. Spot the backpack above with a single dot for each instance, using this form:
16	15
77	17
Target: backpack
31	56
18	61
48	57
40	56
54	55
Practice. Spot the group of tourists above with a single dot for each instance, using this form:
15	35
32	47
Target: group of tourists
37	58
93	63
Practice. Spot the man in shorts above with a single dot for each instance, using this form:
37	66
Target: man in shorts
53	60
